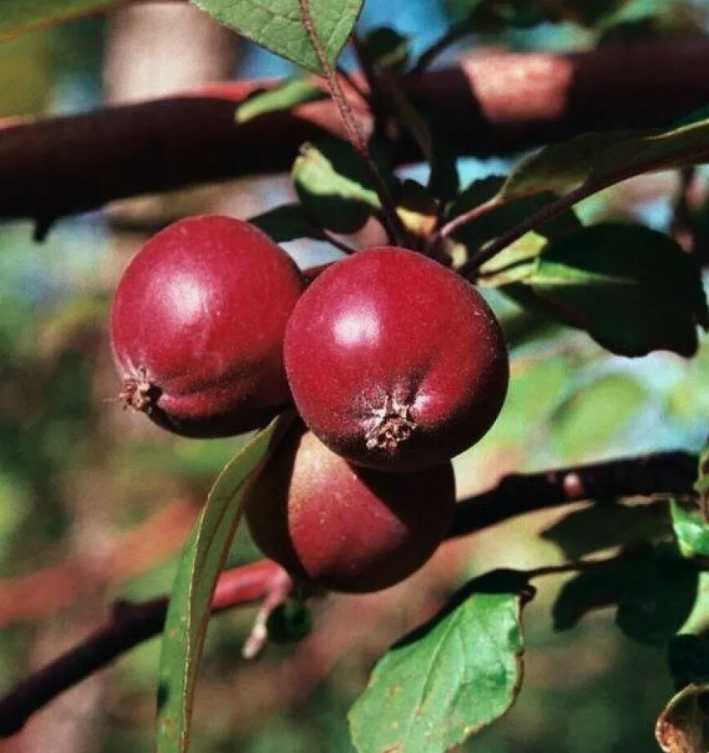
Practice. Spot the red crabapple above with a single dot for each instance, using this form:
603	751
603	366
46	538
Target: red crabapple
197	326
344	527
394	361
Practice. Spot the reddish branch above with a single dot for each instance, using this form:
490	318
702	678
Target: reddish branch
131	624
489	104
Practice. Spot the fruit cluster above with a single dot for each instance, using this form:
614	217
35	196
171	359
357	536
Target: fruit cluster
395	364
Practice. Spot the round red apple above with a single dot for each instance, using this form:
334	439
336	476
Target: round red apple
197	326
344	527
394	361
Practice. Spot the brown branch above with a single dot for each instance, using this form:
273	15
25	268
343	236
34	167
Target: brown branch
130	624
661	473
494	104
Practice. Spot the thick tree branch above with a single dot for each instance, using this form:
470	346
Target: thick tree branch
131	624
488	104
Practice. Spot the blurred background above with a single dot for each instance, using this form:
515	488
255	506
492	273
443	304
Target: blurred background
95	502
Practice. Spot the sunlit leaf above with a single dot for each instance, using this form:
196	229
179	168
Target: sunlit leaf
289	94
286	26
189	610
333	186
690	528
450	678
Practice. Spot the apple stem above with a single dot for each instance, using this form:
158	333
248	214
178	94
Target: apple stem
392	222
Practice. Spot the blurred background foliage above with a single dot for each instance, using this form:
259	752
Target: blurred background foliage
95	503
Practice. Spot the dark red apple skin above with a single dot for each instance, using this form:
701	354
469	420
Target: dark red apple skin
344	527
390	332
197	326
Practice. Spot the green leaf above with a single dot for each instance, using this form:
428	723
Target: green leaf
595	588
20	16
497	216
589	420
502	217
289	622
189	610
688	657
702	484
386	48
285	26
289	94
631	288
333	186
287	223
598	160
683	726
690	528
655	592
607	524
450	678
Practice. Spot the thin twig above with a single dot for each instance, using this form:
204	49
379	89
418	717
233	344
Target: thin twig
392	221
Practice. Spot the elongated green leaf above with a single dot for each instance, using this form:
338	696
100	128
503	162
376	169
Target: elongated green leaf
447	680
284	26
289	94
631	288
188	613
601	159
20	16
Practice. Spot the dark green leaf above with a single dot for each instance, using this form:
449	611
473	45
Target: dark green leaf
683	726
289	622
702	484
333	186
496	220
596	588
450	678
690	529
658	600
282	26
387	48
608	524
283	97
287	223
20	16
688	657
655	592
497	217
189	610
601	159
631	288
